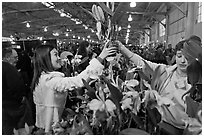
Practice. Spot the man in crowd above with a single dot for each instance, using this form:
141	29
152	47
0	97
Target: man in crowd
14	110
169	53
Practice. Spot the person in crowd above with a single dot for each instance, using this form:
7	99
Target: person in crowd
169	53
193	52
159	56
14	110
66	58
50	86
24	67
168	81
85	51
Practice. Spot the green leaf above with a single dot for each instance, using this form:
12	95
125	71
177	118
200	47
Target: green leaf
192	107
105	8
91	91
101	115
158	79
118	14
138	121
116	94
133	131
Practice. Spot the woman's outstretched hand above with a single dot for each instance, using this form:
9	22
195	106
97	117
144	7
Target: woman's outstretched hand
108	50
118	45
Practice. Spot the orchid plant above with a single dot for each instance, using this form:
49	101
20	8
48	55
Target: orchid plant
109	105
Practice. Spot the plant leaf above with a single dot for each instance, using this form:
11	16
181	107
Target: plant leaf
91	91
116	95
105	8
117	16
192	107
133	131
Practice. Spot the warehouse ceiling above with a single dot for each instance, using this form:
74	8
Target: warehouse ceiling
77	23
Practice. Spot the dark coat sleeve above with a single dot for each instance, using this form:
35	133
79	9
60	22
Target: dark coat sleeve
13	87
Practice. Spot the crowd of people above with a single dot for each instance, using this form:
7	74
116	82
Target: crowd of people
35	89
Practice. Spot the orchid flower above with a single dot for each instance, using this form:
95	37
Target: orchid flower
131	83
127	101
101	103
76	59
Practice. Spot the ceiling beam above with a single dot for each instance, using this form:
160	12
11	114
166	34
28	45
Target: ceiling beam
25	10
147	13
175	5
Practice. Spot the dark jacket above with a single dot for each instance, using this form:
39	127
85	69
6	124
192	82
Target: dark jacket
13	88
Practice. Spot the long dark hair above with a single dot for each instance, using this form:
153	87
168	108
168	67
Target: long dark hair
42	63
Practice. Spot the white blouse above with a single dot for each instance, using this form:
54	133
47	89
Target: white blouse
51	92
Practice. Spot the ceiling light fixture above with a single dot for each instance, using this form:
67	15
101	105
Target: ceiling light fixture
45	29
27	25
119	28
62	14
130	17
129	26
133	4
126	41
56	34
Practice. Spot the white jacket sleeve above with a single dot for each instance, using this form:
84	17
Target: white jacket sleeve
69	83
147	66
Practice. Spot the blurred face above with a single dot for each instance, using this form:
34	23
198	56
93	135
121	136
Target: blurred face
13	59
55	59
181	61
88	48
169	46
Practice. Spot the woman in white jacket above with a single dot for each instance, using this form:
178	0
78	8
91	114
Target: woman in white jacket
50	87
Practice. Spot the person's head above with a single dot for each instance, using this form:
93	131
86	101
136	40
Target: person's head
181	60
10	55
84	48
66	55
195	39
46	60
169	46
193	50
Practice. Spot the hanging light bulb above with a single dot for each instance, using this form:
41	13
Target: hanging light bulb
129	26
126	41
62	14
119	28
132	4
130	18
27	25
128	30
45	29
